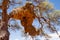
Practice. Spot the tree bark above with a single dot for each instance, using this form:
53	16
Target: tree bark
4	28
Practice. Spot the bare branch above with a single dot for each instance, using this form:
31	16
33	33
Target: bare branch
13	2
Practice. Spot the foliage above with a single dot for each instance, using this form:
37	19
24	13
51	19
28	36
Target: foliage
54	16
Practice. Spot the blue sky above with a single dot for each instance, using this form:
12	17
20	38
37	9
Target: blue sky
56	4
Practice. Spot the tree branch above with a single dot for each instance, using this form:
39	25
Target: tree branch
0	7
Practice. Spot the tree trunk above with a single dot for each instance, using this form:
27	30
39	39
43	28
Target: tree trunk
4	29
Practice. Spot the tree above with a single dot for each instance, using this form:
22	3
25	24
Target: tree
4	28
4	33
27	14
